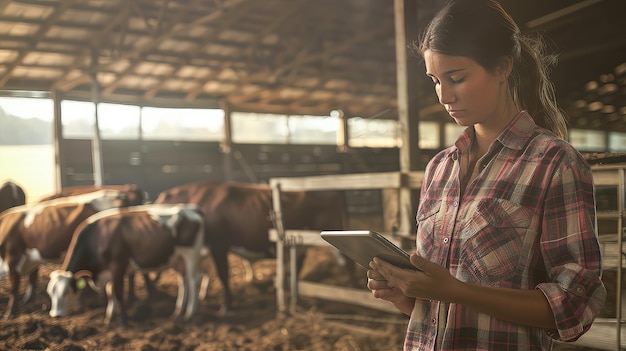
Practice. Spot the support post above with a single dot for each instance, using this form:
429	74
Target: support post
406	29
96	141
226	144
59	154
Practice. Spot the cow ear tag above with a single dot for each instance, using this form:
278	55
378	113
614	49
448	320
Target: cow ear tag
81	284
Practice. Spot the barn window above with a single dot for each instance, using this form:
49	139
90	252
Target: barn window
258	128
617	142
115	121
429	135
373	132
451	133
36	115
78	119
26	151
588	140
182	124
118	121
313	129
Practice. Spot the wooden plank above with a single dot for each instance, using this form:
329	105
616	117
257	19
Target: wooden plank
344	295
610	251
299	237
607	175
312	237
380	180
353	329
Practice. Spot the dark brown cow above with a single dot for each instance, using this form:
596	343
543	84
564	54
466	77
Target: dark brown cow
145	238
11	195
238	215
41	232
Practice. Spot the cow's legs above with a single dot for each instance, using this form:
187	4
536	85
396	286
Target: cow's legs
181	297
131	297
32	284
192	277
13	255
115	293
220	255
205	283
149	285
111	304
14	278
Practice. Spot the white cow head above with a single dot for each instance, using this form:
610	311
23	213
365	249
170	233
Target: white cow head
64	290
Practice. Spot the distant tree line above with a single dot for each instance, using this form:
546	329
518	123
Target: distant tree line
21	131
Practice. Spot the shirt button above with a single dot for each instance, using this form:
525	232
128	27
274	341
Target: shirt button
434	321
445	240
455	203
579	290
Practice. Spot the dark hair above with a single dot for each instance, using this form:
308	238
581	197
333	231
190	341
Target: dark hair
484	32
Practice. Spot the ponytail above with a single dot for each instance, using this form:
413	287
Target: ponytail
531	88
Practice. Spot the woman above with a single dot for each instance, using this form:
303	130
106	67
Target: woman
506	240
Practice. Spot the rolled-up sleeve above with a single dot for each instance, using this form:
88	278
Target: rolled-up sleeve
571	251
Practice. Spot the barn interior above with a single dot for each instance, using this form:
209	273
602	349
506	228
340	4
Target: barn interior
345	59
292	58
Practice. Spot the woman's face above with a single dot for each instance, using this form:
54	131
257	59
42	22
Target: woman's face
470	94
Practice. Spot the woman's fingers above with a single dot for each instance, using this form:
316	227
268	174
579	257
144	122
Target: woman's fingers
372	274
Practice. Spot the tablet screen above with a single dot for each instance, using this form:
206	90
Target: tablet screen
363	245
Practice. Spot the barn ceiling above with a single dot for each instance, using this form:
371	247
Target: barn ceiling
282	56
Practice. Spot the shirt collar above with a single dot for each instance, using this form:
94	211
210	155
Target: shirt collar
514	136
517	133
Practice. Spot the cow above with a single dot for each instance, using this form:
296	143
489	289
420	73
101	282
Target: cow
84	189
238	215
114	242
41	232
11	195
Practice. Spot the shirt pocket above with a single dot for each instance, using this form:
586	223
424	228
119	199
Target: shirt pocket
492	241
427	226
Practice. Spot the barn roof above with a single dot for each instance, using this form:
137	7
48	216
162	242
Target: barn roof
282	56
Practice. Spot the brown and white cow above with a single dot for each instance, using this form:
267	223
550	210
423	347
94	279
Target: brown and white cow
130	189
41	232
238	215
11	195
112	243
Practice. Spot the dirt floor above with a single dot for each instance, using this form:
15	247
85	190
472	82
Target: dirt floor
253	324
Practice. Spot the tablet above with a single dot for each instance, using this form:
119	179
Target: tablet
363	245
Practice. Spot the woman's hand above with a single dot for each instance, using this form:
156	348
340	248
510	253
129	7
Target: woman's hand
430	281
382	290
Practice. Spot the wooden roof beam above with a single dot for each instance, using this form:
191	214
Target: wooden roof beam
234	16
173	30
41	32
65	85
290	11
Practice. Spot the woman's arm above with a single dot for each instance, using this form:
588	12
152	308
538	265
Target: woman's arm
526	307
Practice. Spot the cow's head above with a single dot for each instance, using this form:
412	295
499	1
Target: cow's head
64	289
132	196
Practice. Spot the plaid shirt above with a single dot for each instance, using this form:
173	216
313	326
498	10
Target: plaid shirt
526	221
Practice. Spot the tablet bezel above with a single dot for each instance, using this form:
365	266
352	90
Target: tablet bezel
363	245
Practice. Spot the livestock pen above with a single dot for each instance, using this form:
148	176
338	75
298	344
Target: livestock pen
607	332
